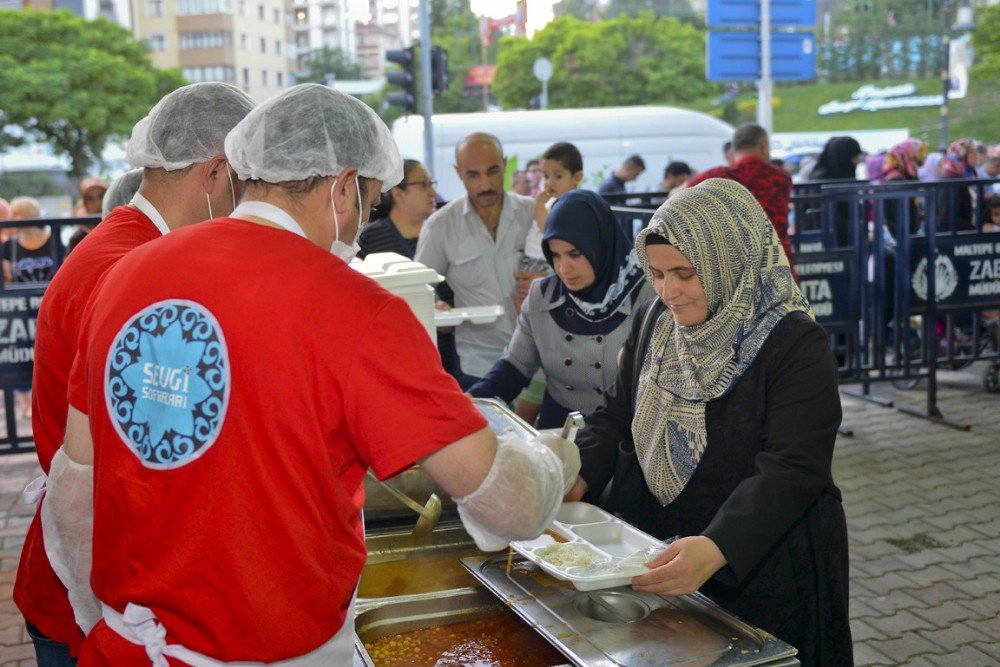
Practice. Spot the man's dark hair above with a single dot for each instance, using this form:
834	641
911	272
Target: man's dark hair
565	154
530	163
635	161
677	169
748	136
726	147
993	201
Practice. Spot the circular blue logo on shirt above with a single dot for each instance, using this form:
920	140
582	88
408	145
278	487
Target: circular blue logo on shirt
167	383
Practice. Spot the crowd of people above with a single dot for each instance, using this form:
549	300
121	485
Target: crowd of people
188	516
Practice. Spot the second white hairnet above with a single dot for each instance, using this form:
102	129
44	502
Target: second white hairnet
310	130
188	126
121	191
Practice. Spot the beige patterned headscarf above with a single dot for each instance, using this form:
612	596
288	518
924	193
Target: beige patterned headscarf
725	234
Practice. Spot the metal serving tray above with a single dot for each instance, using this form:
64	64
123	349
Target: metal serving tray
624	628
390	616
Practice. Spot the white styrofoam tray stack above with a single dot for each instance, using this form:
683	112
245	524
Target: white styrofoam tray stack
412	281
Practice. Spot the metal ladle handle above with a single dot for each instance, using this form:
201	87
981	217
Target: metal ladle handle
402	497
574	422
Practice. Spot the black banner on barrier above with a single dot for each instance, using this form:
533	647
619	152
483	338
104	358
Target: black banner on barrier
966	272
825	280
18	314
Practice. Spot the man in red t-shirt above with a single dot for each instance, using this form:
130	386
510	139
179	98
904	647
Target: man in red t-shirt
770	185
180	145
234	382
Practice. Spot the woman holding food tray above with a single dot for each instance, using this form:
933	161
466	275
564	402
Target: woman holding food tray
721	426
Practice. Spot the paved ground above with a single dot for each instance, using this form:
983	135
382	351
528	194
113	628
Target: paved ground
923	507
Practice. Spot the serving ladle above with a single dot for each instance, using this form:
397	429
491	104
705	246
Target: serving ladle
430	513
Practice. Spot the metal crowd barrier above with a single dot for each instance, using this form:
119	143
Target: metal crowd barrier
903	276
19	303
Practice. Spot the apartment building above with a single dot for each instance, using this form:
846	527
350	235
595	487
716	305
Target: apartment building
390	24
324	23
243	42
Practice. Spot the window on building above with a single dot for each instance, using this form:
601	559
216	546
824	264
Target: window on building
206	39
209	73
194	7
277	47
246	77
261	11
301	16
157	42
154	7
244	41
280	77
277	16
243	7
263	78
263	44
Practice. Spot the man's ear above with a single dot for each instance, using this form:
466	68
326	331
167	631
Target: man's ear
215	174
344	197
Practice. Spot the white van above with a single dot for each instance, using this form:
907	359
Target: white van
605	137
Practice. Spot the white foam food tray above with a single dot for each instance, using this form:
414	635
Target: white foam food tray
617	550
474	314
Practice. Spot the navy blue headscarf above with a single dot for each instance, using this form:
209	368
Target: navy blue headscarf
584	219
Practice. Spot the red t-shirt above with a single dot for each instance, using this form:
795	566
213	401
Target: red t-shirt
38	593
241	380
770	185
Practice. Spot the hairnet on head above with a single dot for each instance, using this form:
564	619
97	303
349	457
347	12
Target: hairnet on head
310	130
187	126
121	191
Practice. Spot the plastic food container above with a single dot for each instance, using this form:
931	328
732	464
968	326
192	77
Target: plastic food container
615	550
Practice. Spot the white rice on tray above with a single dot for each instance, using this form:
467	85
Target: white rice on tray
566	555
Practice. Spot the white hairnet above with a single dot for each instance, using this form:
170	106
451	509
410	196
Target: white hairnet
310	130
187	126
121	191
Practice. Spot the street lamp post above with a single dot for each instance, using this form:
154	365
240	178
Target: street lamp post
963	23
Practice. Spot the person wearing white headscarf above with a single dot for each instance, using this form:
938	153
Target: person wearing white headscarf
721	426
241	380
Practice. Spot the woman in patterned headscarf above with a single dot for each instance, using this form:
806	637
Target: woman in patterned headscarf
954	204
721	426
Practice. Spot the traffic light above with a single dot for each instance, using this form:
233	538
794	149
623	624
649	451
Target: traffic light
405	78
439	70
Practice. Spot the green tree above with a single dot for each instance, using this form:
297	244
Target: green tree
656	61
331	64
680	9
75	83
585	10
986	41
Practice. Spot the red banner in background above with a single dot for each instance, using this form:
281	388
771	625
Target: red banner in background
480	75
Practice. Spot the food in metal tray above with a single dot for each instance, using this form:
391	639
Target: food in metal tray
494	641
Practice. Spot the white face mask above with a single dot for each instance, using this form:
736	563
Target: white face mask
339	248
232	193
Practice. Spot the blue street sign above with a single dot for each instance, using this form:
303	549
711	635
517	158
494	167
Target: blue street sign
732	13
735	56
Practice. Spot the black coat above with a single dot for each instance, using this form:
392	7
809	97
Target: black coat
763	490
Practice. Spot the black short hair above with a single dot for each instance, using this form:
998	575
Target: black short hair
726	147
993	201
530	162
565	154
635	161
677	168
749	136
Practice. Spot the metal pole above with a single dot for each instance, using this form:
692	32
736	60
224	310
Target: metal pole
543	103
764	85
426	85
945	79
486	90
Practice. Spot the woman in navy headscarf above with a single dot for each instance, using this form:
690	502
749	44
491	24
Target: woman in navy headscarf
574	322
